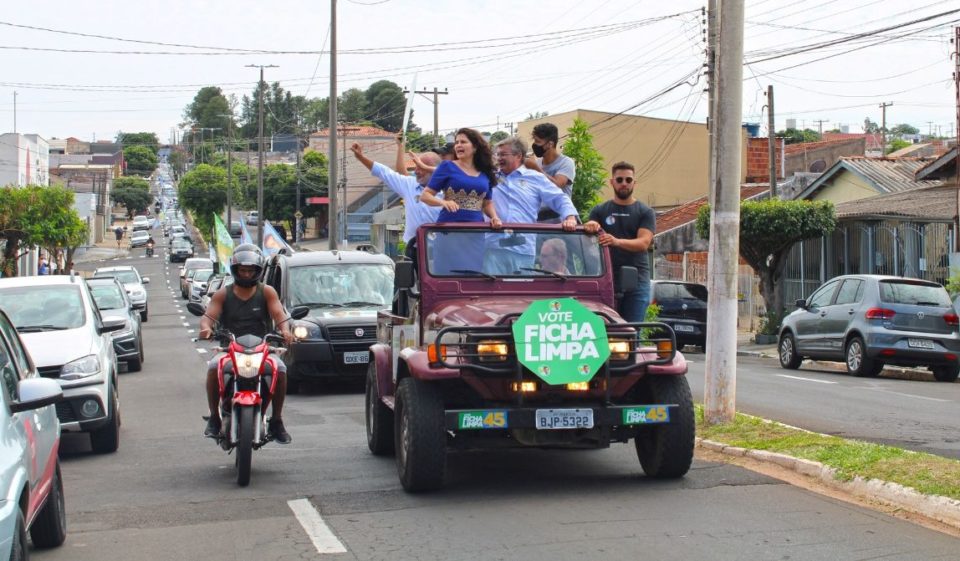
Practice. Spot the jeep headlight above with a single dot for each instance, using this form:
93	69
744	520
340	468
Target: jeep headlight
248	365
80	368
619	349
492	350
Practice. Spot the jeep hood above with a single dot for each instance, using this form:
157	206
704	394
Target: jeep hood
56	348
477	311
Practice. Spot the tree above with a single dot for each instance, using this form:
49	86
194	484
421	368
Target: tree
352	106
897	144
768	230
207	110
140	160
591	173
133	193
870	127
203	191
498	136
795	136
148	139
316	113
178	162
385	105
904	129
36	216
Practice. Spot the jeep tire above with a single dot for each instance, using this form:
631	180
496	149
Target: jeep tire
379	417
666	451
419	436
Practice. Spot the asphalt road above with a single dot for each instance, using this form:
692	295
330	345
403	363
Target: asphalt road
168	493
913	414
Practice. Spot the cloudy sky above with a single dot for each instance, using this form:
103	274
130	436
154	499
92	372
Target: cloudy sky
499	59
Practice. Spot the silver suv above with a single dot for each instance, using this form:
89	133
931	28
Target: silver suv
62	329
132	282
868	321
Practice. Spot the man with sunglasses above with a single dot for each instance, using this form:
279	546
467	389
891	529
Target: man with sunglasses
626	226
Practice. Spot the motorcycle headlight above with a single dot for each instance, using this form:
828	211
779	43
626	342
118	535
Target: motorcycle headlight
248	365
80	368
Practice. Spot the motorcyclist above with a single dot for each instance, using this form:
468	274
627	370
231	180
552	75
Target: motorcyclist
246	306
150	244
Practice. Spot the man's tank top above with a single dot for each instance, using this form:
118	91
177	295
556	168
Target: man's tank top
243	317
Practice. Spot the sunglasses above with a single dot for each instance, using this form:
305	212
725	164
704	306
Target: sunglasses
627	180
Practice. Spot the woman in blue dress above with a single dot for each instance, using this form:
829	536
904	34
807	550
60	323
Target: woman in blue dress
466	183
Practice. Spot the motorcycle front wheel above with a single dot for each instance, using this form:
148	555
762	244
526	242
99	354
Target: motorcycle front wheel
244	416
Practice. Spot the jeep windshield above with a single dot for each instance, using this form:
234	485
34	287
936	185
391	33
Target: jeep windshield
512	252
341	285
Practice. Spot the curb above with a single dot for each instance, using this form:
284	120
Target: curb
942	509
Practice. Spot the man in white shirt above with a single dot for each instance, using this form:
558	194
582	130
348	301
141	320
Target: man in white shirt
408	187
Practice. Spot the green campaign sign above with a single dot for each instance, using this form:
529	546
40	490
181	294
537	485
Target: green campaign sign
561	341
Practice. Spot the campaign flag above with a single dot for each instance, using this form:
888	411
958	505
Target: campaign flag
224	244
245	236
272	242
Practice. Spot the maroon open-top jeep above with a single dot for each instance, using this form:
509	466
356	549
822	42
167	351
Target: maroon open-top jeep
538	356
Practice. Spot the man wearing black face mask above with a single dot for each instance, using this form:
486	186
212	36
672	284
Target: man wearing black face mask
559	169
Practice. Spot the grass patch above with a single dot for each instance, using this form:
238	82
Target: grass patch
928	474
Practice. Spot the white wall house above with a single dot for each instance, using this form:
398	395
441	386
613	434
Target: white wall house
24	160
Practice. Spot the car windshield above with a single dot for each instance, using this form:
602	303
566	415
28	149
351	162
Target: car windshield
343	284
911	292
43	308
203	275
108	296
513	253
126	277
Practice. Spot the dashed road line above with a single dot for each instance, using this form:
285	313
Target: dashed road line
806	379
317	530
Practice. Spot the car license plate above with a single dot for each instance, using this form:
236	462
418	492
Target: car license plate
920	343
684	328
553	419
356	357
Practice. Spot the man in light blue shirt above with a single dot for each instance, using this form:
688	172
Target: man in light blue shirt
518	196
408	187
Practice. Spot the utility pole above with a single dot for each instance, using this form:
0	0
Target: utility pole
771	144
229	118
260	87
721	360
333	221
883	129
713	24
297	215
820	123
436	111
956	143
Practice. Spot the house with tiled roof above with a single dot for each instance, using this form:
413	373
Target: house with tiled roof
858	178
872	140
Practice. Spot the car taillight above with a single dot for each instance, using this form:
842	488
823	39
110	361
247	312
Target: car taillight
953	320
880	313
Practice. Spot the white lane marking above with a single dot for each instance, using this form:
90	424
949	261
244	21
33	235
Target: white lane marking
185	324
313	524
190	330
183	317
805	379
201	351
910	395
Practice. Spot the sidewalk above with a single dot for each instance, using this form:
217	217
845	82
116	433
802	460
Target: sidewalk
107	249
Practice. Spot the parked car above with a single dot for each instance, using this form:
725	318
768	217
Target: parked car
132	282
31	486
114	304
252	217
869	321
198	285
180	250
192	264
70	342
139	238
344	291
141	223
683	306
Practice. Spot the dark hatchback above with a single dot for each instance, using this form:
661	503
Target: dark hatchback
683	306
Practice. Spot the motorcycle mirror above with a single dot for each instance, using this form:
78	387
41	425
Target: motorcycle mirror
195	308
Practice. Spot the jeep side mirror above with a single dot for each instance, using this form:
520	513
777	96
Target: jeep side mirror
801	303
403	275
299	312
629	279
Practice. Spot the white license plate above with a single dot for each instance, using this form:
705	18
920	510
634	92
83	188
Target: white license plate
684	328
554	419
356	357
920	343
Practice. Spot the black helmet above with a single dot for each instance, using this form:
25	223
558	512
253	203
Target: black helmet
247	255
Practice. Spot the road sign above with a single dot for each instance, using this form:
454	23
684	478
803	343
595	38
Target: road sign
561	341
298	215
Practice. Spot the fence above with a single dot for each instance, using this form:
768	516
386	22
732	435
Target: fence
749	301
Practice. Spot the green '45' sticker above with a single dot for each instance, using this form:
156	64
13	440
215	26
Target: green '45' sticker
468	420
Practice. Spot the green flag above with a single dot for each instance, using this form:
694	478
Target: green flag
224	244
